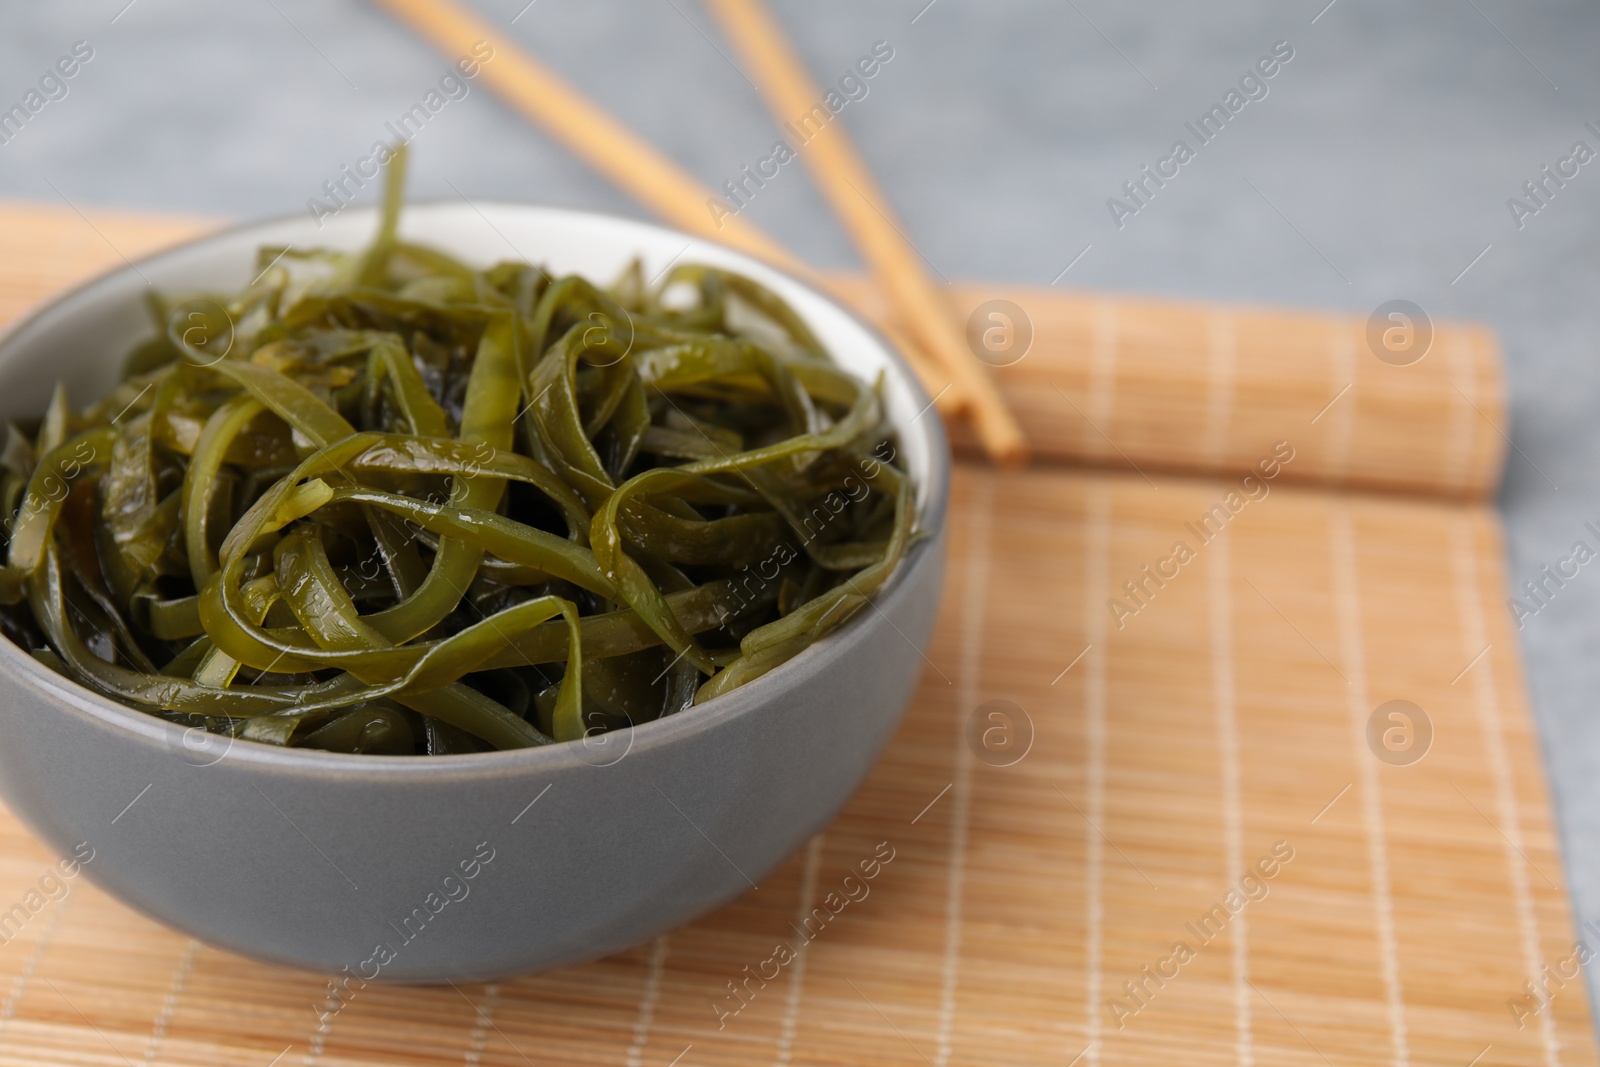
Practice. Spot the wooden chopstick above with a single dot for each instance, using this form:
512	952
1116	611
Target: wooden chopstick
616	152
859	203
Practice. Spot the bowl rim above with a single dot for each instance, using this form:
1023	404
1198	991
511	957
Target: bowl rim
103	711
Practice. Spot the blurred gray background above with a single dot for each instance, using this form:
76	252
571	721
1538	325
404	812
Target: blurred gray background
1378	167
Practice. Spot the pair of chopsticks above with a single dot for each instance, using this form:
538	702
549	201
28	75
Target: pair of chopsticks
923	327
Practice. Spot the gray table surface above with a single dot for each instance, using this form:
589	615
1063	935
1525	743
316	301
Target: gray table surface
1378	166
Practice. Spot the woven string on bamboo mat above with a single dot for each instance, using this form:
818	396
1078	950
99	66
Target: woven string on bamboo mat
1188	848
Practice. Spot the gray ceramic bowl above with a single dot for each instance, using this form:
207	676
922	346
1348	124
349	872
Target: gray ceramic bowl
474	866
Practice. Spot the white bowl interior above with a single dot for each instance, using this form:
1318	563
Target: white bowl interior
83	339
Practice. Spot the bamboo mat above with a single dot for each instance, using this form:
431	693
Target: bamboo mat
1222	726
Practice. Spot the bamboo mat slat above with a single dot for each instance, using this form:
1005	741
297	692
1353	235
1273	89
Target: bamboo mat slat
1227	715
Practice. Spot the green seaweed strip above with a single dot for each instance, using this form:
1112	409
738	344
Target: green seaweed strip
422	507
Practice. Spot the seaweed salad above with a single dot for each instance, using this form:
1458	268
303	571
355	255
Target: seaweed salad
384	502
